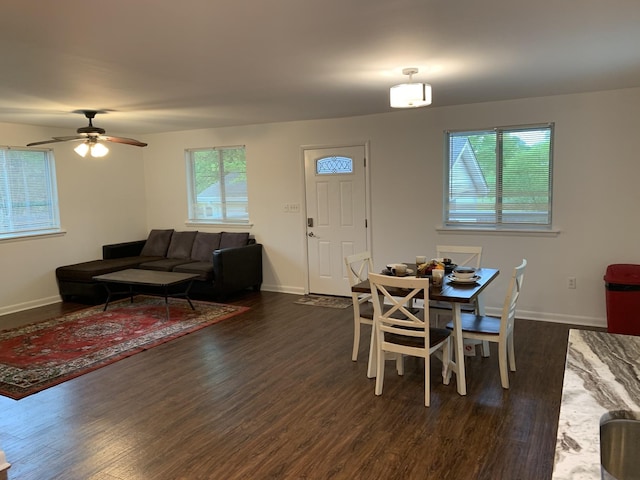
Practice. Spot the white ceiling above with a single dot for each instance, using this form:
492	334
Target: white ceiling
164	65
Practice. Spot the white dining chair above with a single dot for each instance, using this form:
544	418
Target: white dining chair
463	255
359	265
402	330
498	330
466	255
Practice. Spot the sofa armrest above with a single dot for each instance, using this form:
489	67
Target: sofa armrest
120	250
237	268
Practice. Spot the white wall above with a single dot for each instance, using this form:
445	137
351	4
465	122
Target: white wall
101	201
595	195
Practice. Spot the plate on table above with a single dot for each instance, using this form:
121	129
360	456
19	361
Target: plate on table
462	281
386	271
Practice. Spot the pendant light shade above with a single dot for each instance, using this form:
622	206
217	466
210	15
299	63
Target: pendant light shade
410	95
82	149
99	150
92	147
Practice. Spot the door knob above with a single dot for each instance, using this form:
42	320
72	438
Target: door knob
311	234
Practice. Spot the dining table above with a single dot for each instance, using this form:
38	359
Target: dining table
455	293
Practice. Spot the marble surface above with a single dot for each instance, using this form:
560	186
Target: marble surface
602	374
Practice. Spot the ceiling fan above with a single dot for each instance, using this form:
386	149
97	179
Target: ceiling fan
91	136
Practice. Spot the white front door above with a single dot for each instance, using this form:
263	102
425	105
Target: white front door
336	215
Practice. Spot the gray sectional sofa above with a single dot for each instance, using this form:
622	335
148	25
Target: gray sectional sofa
226	263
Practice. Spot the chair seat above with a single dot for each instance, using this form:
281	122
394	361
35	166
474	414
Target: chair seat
478	324
436	337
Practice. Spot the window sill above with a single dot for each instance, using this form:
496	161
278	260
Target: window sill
213	223
18	237
516	232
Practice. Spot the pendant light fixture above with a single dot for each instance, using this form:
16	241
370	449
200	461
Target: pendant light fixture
92	146
410	95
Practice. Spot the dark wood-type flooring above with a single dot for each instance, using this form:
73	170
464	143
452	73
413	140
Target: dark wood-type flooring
273	394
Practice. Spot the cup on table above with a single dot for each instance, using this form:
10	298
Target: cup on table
437	275
420	259
399	270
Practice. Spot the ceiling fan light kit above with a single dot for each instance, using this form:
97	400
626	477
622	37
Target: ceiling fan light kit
410	95
91	137
97	150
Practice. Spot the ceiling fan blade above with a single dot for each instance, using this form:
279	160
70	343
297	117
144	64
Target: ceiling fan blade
44	142
91	134
128	141
70	138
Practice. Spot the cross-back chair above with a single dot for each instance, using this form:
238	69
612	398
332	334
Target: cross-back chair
498	330
464	255
359	265
402	330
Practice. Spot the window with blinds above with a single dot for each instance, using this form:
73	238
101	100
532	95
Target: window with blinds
28	194
499	178
217	185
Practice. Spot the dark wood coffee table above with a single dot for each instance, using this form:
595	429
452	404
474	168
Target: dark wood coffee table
158	283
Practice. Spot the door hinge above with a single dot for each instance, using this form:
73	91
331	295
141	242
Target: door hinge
366	225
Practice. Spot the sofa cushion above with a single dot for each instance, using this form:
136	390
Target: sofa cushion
181	244
85	271
157	243
163	265
204	245
203	269
234	239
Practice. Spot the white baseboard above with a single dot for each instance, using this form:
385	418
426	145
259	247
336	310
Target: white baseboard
524	314
549	317
19	307
283	289
554	317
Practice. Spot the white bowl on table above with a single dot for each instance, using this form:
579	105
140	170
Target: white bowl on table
464	273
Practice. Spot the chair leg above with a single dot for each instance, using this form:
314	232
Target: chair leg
502	361
512	353
446	361
427	378
380	372
485	348
356	338
399	363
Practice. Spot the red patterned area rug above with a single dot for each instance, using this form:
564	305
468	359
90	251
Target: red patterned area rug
40	355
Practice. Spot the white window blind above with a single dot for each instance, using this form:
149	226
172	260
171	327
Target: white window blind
217	185
499	178
28	195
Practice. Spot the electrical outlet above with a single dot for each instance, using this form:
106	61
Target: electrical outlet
571	282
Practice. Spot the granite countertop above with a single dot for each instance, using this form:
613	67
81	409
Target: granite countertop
602	374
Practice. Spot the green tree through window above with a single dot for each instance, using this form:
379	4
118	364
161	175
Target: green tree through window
499	177
217	185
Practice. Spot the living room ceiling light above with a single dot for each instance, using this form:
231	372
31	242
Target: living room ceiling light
98	150
410	95
82	149
92	146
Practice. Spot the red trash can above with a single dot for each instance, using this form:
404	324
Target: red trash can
622	282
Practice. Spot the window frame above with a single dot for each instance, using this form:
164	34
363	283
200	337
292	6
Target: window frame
49	183
194	217
498	224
